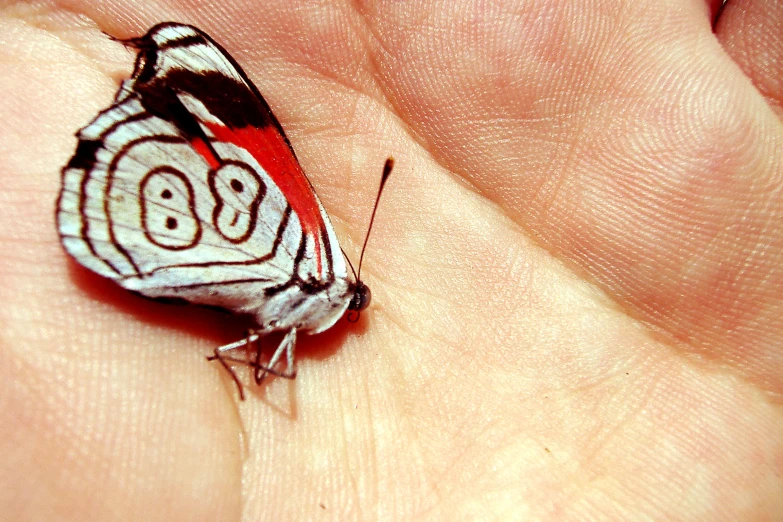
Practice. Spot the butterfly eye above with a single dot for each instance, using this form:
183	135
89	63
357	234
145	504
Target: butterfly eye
361	297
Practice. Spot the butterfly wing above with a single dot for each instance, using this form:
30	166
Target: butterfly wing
186	186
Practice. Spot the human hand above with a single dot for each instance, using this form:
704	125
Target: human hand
575	272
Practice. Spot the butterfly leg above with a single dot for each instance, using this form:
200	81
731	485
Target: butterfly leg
287	346
219	355
260	371
230	371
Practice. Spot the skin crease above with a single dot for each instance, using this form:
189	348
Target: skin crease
575	268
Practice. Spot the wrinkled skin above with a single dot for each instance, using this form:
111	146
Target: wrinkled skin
577	271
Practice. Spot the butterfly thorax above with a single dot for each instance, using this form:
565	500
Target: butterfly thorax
308	307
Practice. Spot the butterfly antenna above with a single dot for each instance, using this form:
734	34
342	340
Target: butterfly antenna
345	256
387	168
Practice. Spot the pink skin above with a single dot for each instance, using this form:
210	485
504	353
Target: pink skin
576	271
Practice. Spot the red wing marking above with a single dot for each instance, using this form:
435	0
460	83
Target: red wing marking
271	151
205	152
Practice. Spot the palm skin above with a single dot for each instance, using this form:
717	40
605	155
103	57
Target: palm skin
575	271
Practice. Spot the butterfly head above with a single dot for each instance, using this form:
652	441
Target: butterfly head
361	297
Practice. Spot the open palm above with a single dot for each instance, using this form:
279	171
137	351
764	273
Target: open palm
576	271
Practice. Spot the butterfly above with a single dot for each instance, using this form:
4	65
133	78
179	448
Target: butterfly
187	188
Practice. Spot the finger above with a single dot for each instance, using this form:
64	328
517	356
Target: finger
751	31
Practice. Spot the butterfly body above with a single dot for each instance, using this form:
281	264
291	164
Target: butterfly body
187	187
